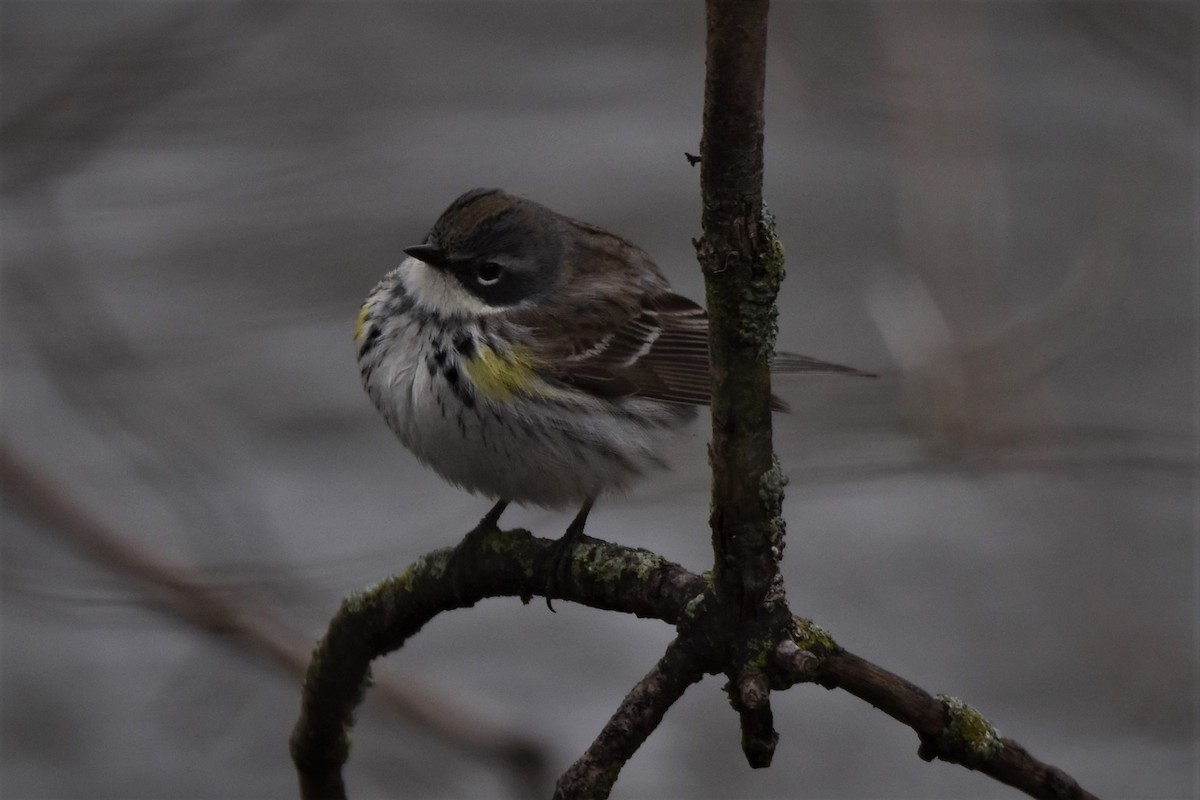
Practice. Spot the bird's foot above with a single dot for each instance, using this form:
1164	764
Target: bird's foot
557	559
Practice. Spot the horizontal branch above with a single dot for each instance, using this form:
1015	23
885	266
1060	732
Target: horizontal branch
487	563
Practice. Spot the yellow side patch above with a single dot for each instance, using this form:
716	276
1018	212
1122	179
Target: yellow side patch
499	377
361	323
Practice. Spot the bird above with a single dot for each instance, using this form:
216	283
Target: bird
533	358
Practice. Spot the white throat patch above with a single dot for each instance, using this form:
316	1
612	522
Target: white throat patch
438	292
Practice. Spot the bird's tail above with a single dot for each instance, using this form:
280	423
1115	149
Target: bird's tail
793	362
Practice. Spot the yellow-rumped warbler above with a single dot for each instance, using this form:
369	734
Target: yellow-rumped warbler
531	357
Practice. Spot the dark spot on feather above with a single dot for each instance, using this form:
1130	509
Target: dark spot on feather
465	346
369	342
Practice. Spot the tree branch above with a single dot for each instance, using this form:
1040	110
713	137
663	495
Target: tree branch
493	563
593	775
487	563
743	267
949	729
740	288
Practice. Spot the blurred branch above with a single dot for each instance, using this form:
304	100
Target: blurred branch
1157	39
1027	345
964	365
174	589
1036	339
61	315
67	126
169	441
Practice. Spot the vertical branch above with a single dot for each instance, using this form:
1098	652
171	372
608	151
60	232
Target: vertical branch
742	267
740	291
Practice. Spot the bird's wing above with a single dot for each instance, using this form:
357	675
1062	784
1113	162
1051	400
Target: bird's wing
655	347
657	350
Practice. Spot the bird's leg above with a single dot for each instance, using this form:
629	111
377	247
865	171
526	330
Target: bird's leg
459	564
559	554
489	521
491	518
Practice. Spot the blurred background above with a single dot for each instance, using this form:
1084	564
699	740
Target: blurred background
993	205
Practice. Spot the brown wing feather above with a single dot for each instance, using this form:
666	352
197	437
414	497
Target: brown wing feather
614	329
672	363
656	348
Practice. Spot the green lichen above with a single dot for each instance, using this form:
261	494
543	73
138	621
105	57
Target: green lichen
432	565
357	602
770	491
496	542
507	543
694	606
810	636
597	562
758	318
968	726
758	654
758	315
775	255
770	486
502	542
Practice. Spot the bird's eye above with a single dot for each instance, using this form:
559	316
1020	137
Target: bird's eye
489	273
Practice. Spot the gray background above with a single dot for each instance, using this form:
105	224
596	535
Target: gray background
992	204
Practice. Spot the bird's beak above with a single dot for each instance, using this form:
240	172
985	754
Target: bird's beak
429	253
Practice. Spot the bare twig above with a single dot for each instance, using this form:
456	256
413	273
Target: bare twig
63	129
593	775
949	729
